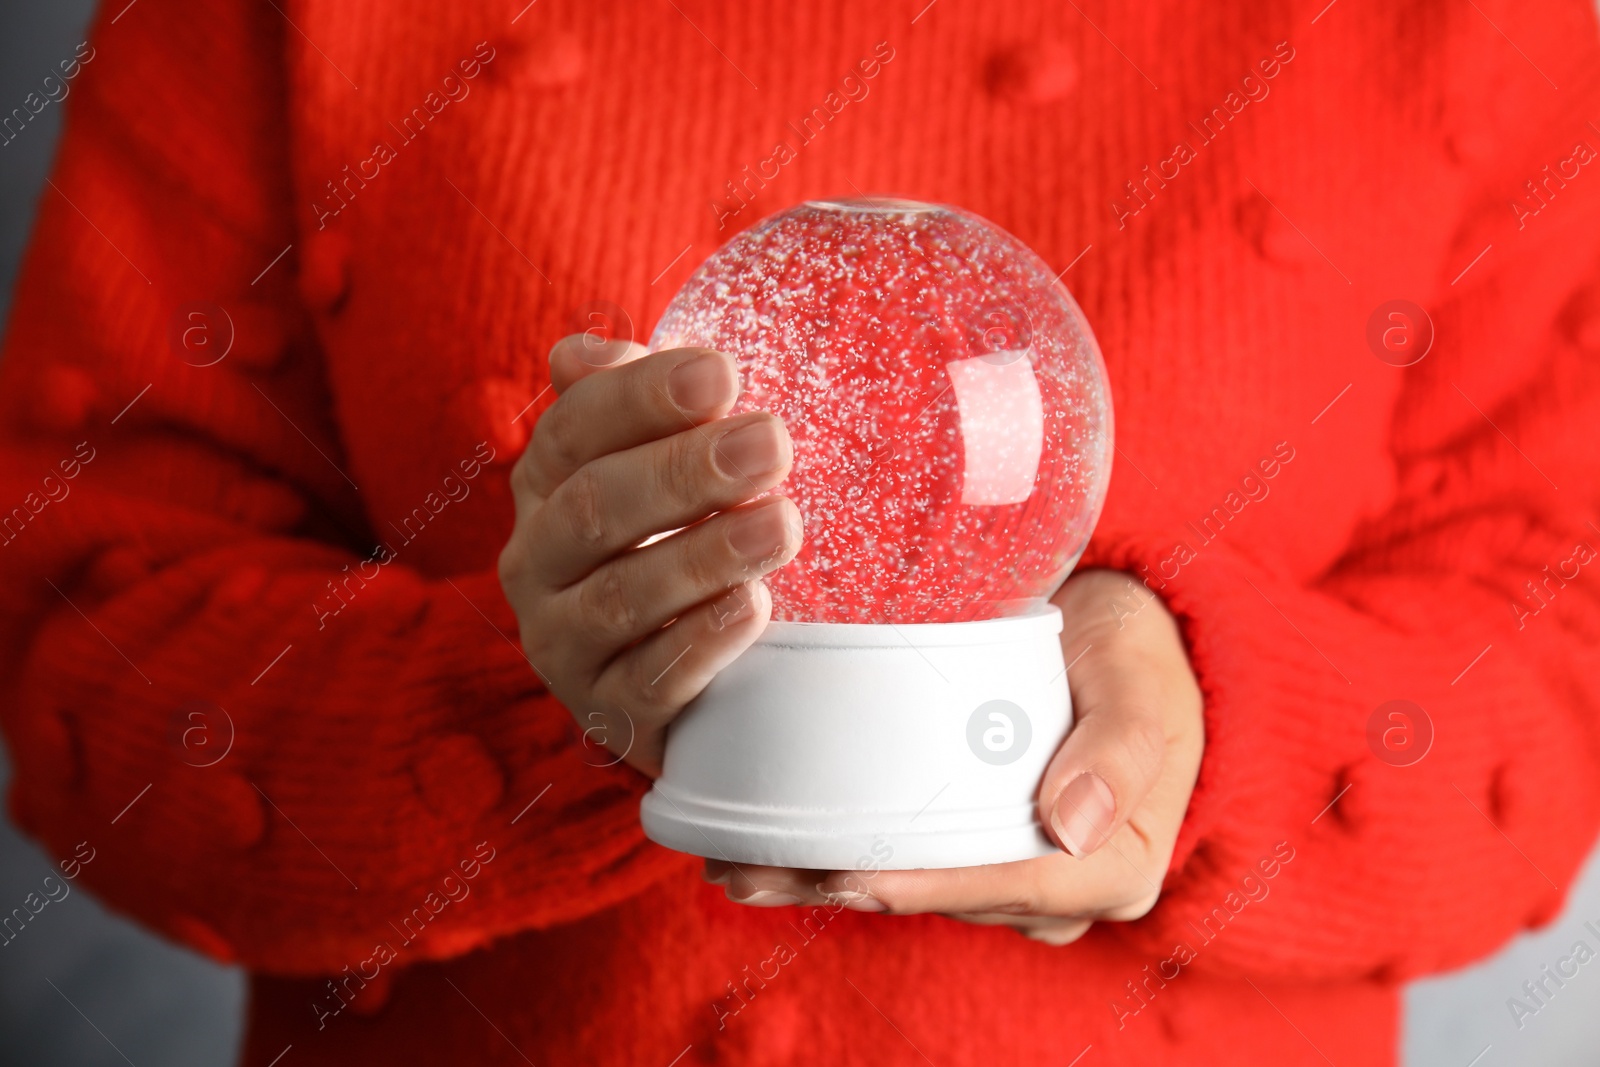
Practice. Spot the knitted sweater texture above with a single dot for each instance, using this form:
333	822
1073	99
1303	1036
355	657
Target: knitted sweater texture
281	331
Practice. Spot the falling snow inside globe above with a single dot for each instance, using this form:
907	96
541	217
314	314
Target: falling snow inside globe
947	401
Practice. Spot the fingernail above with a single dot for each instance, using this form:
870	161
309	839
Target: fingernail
1083	813
734	606
860	901
767	898
750	450
761	534
722	879
701	384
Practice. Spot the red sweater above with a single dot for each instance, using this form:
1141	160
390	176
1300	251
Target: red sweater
255	652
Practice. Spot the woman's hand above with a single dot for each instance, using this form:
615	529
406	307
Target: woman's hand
1113	797
625	634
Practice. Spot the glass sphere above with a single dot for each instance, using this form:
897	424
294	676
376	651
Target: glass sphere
947	401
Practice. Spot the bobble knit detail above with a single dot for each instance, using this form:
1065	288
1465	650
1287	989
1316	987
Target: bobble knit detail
303	535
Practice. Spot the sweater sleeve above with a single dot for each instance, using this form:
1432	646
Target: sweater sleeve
247	774
1474	595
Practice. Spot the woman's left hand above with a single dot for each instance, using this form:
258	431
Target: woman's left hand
1112	798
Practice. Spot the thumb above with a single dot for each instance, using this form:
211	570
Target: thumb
579	355
1112	757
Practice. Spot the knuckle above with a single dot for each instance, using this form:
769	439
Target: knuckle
1059	933
682	473
606	730
1136	910
556	439
1019	904
534	644
508	567
1031	895
1074	933
583	506
607	606
1145	742
535	627
1021	899
1030	902
516	570
522	476
642	686
533	648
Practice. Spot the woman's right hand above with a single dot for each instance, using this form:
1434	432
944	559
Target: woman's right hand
626	634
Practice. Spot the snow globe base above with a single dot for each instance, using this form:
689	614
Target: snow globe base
870	746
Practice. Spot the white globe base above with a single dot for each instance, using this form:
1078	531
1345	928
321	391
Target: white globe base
847	746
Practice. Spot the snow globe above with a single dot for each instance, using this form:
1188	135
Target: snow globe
952	435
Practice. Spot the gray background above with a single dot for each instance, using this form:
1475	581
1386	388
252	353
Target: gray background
159	1004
